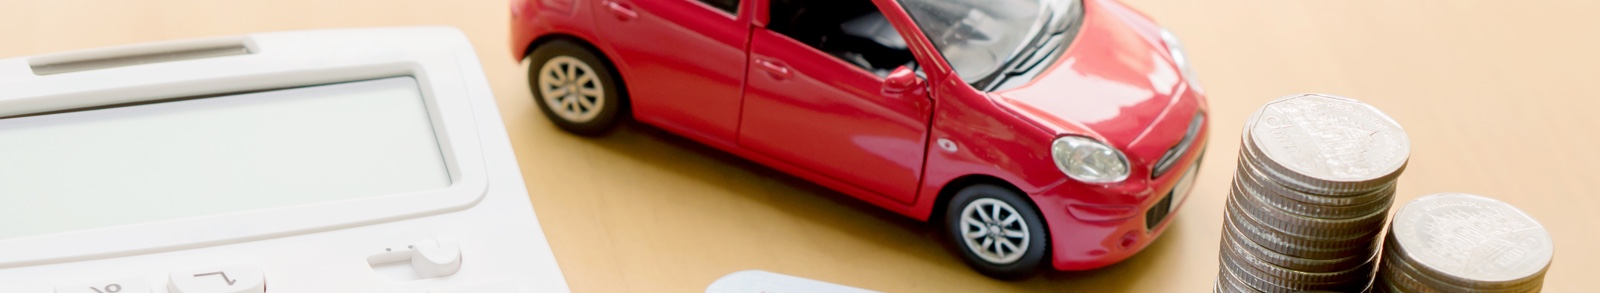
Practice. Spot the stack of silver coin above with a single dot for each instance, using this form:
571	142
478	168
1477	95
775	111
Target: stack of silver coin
1452	242
1315	181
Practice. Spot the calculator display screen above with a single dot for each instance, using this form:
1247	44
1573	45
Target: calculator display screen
213	155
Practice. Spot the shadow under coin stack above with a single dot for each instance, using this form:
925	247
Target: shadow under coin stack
1315	181
1453	242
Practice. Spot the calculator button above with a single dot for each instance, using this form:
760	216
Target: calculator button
436	258
228	279
112	286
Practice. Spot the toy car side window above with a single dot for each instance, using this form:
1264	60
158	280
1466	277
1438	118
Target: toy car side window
853	31
730	6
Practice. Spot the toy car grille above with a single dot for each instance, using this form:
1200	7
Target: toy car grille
1170	158
1158	212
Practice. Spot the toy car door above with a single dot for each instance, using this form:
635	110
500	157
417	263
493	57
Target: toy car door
813	97
683	61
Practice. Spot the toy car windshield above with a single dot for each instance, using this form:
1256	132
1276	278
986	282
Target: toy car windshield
979	37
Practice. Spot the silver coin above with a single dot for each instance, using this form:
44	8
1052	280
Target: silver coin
1420	279
1248	152
1472	241
1308	226
1230	283
1268	182
1390	272
1257	280
1272	196
1257	233
1345	276
1396	270
1280	280
1300	210
1264	180
1273	169
1336	143
1314	241
1266	282
1246	246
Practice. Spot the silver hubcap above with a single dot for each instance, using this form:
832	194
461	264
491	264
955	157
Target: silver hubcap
571	89
994	231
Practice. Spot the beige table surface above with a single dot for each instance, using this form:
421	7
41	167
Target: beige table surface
1497	96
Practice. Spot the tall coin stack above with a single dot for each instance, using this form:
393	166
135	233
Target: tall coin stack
1452	242
1315	180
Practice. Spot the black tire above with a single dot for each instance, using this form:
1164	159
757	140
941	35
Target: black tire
576	118
1032	255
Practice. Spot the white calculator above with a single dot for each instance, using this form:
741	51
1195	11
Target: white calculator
356	160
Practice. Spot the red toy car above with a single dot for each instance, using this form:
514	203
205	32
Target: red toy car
1034	130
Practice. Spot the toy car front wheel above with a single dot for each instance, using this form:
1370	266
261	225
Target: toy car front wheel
574	88
996	231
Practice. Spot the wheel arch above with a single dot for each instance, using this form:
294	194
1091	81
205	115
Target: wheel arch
949	190
606	60
547	38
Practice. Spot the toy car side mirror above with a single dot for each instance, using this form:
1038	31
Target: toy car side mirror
902	81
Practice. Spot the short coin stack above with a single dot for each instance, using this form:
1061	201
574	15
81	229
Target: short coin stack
1452	242
1315	181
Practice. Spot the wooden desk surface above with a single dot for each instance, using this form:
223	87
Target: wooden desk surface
1498	98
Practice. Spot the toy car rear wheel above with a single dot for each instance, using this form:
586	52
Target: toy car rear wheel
996	231
574	88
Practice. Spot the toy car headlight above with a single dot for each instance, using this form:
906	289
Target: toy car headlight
1179	56
1087	160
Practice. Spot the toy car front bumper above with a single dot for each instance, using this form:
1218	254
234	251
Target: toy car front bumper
1088	235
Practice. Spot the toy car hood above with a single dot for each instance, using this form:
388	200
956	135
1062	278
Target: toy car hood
1114	82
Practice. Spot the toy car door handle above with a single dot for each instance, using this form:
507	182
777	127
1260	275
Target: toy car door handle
622	11
775	68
